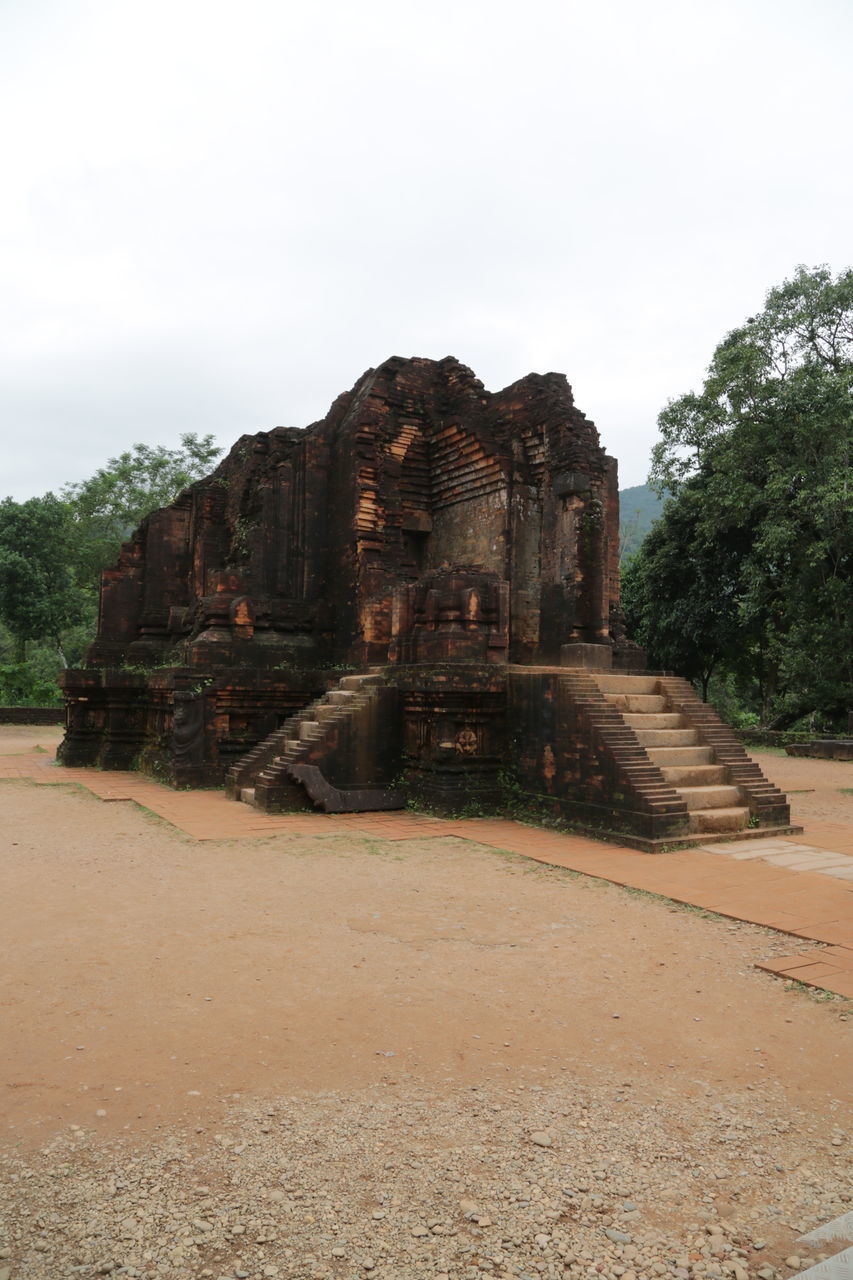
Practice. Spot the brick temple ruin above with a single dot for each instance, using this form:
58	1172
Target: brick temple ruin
415	598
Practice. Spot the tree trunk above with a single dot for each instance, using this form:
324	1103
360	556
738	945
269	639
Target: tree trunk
705	678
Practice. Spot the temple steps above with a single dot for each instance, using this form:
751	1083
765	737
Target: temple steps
678	755
667	737
653	720
694	775
702	798
286	770
609	684
718	821
673	766
352	684
667	757
634	703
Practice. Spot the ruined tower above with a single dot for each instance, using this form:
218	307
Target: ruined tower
454	550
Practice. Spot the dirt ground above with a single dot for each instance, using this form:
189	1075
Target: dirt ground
15	739
818	789
152	984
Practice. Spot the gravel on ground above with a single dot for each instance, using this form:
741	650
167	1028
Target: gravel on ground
339	1058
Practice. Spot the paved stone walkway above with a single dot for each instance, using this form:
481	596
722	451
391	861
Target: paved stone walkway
803	886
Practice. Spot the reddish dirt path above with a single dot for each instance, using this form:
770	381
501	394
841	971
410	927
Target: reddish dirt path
149	976
819	790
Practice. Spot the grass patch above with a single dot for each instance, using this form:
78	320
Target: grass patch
532	867
692	909
673	902
819	994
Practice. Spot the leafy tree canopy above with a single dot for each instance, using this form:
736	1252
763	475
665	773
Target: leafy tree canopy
38	597
758	463
795	357
686	619
53	549
106	508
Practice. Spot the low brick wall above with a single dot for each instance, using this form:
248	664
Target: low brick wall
823	749
32	715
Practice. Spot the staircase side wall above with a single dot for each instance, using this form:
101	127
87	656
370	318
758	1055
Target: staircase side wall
182	727
768	806
363	747
559	757
350	764
244	771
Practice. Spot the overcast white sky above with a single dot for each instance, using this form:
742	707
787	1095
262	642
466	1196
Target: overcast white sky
216	215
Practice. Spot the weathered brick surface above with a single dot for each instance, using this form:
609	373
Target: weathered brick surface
31	715
823	749
184	726
572	753
425	526
296	547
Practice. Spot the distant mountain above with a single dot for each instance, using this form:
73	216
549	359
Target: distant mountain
639	508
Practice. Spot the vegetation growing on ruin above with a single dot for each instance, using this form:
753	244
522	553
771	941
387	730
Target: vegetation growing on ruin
743	584
52	551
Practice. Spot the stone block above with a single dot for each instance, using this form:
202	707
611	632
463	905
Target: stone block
597	657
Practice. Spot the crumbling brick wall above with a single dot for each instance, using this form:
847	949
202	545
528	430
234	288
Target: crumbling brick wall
293	549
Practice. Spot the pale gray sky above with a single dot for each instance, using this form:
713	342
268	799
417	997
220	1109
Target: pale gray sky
216	215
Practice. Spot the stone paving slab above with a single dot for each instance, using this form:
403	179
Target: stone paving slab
835	836
838	1229
785	853
838	1267
785	885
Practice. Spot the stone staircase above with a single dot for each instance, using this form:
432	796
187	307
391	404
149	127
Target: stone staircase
644	754
695	755
288	770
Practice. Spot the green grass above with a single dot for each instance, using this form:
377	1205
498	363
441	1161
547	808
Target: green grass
673	902
819	994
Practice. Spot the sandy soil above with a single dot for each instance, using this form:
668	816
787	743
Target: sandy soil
151	974
151	984
15	739
817	789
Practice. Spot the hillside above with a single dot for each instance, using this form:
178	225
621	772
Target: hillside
639	508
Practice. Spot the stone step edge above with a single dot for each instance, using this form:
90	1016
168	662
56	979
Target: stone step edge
291	765
639	775
248	768
674	844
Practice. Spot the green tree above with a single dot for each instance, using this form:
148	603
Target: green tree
106	508
53	550
38	596
764	450
679	592
794	356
